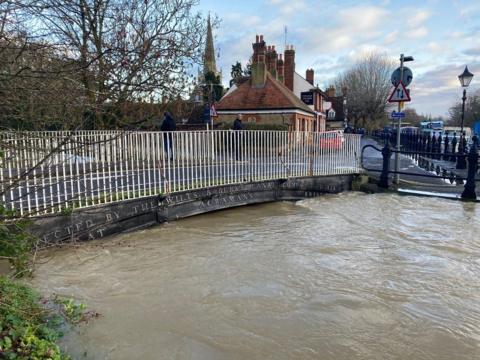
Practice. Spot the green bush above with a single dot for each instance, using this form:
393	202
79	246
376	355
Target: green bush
255	126
27	330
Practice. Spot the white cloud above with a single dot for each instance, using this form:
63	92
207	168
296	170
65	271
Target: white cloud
353	27
362	18
418	33
418	18
390	37
330	35
436	90
435	47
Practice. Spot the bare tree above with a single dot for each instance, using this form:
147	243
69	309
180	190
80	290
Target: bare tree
126	49
412	117
368	84
114	52
472	111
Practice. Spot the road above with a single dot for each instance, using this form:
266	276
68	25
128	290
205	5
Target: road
373	160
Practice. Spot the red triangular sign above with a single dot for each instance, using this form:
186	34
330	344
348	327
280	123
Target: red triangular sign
213	112
400	94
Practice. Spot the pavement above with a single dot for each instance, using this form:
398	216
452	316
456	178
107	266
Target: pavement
413	182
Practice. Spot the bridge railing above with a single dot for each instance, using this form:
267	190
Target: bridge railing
49	172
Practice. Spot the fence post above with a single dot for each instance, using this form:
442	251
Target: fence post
454	147
433	146
469	191
310	152
461	160
445	148
386	153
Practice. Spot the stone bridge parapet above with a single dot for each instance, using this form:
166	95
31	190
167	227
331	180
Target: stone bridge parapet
108	219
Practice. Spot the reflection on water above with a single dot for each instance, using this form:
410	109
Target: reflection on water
347	276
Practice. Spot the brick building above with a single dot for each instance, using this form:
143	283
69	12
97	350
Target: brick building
272	93
334	109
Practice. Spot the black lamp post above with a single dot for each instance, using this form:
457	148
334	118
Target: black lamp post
465	79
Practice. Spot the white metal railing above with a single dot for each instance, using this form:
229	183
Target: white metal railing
48	172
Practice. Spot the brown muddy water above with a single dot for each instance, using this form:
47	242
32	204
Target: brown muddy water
349	276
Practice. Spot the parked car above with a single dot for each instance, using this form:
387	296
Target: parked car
332	140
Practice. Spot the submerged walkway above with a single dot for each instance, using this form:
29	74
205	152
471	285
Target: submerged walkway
447	187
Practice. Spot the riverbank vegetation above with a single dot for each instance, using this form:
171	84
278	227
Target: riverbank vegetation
29	325
27	330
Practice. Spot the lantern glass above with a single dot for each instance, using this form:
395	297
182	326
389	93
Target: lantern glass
465	78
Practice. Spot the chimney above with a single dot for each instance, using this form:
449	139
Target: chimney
309	76
272	61
280	69
330	91
289	69
259	69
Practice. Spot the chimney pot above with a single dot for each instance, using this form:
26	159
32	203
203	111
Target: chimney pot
257	38
261	38
310	75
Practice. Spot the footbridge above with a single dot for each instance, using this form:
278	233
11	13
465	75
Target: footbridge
80	185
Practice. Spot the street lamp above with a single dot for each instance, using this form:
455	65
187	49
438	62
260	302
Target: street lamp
465	79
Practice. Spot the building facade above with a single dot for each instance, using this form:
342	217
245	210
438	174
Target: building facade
272	94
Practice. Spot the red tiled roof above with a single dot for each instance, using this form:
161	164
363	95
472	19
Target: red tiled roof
274	95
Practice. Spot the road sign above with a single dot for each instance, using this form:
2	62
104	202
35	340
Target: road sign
400	94
213	112
397	115
407	76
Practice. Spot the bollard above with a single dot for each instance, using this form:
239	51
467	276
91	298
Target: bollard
469	190
386	153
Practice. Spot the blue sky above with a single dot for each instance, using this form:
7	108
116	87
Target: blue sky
443	36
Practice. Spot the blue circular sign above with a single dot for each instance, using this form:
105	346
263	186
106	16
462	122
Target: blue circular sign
407	76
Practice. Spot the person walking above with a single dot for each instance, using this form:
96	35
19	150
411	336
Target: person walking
237	125
168	126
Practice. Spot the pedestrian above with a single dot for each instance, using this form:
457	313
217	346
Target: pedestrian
237	125
168	126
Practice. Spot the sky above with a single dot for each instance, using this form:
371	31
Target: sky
329	36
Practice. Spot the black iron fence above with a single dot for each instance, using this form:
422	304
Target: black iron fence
439	146
428	146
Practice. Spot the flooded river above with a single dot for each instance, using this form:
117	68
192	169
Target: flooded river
349	276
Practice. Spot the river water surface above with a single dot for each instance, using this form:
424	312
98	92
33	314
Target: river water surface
349	276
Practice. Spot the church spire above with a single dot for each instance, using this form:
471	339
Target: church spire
209	56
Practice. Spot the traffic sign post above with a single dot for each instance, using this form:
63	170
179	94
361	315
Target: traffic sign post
401	77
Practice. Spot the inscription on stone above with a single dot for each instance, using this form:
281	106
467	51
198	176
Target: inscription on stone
95	223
